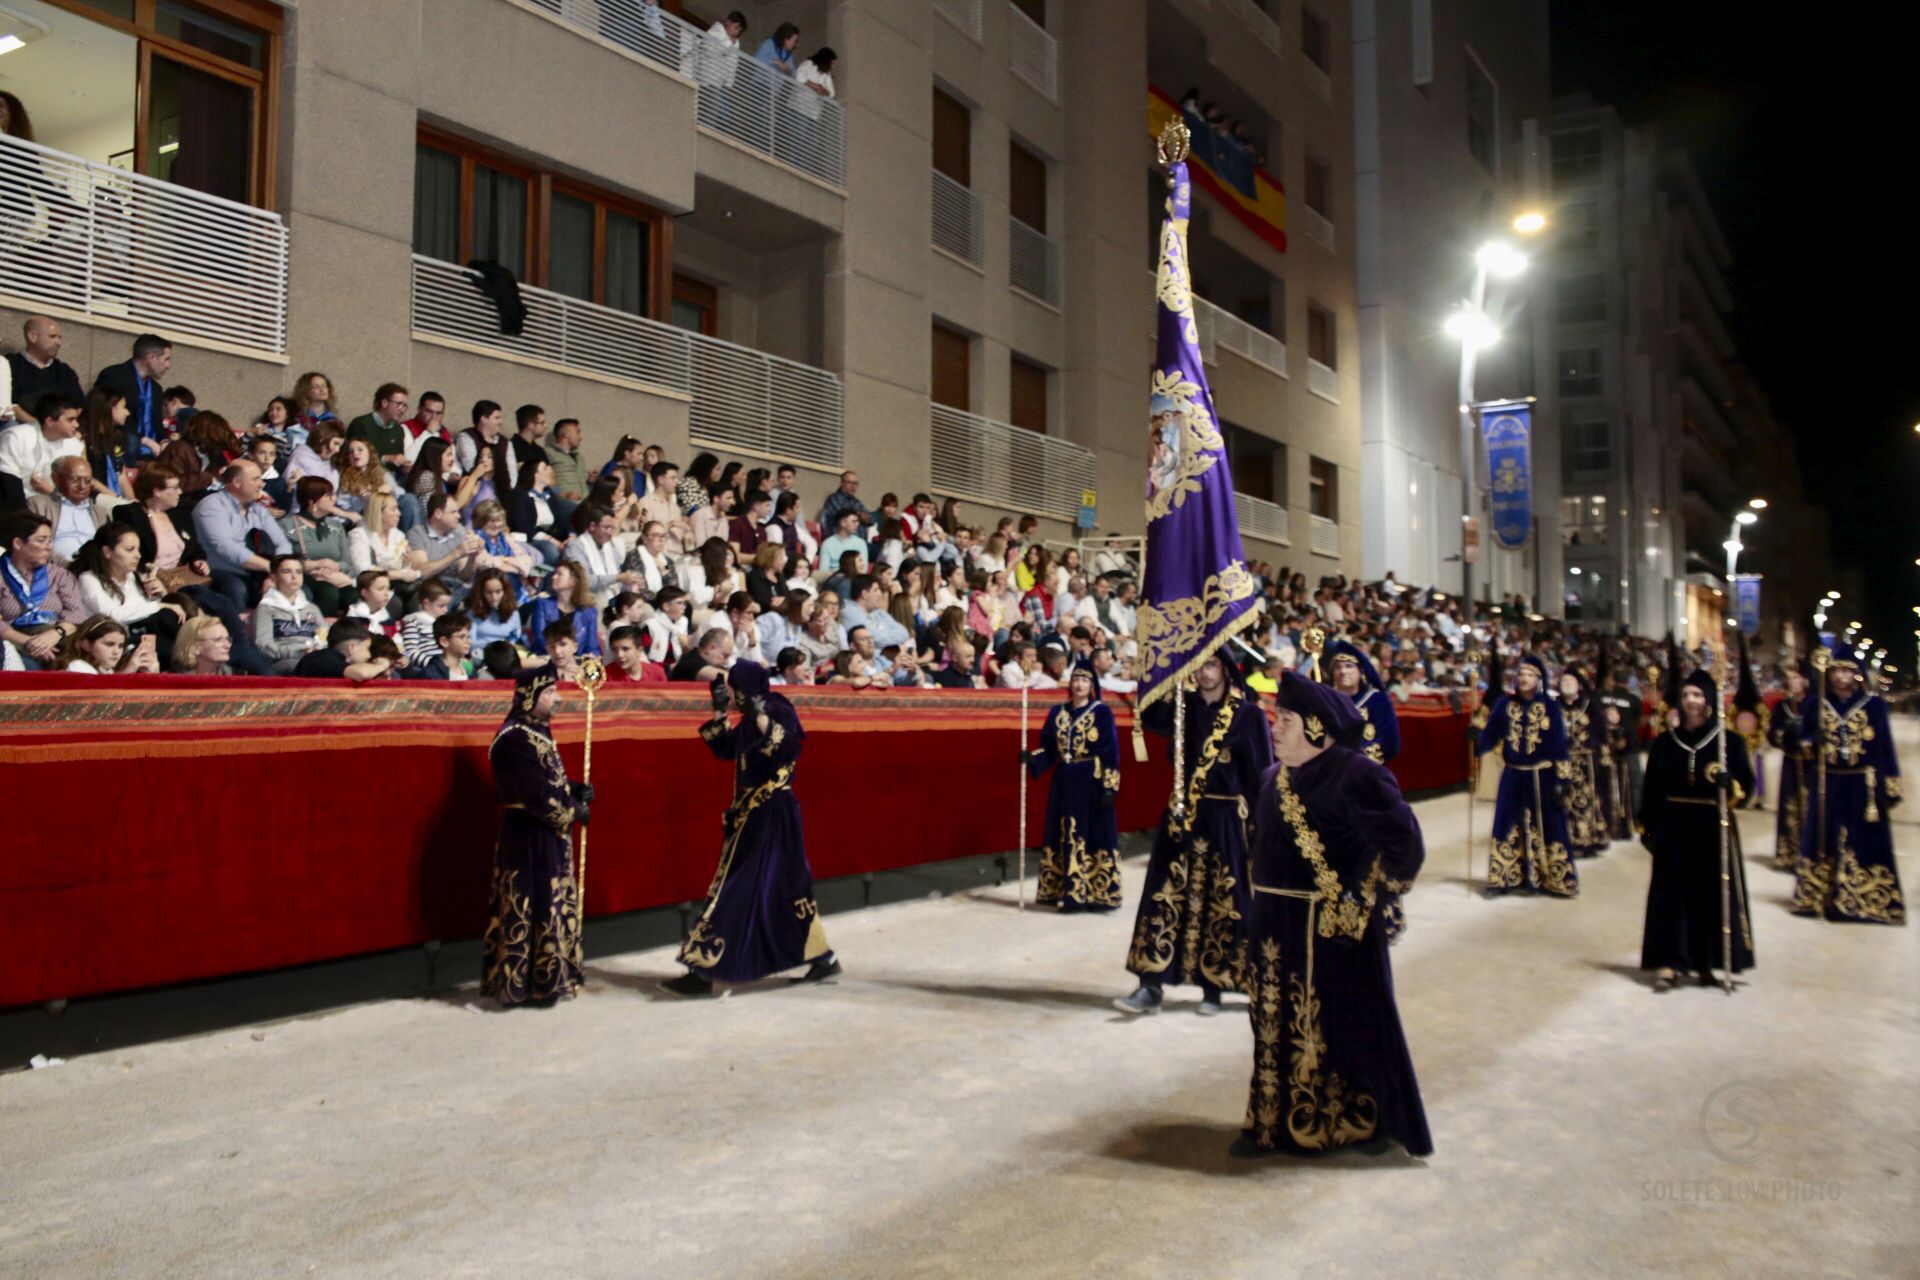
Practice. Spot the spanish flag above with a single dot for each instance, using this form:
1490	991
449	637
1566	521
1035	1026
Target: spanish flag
1249	193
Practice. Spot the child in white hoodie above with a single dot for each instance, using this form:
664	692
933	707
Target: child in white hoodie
286	625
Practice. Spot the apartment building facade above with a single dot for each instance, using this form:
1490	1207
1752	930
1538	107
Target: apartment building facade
1450	100
934	279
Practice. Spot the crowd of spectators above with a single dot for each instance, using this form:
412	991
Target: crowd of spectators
142	533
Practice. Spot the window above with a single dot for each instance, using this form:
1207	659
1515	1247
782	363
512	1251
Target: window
1576	157
1258	465
1323	489
1321	336
696	305
468	205
952	138
1579	299
952	383
1319	191
1583	520
1027	402
1580	371
1035	9
1578	227
1314	41
177	91
1483	116
1027	187
1586	443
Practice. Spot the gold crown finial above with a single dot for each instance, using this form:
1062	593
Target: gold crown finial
1313	640
593	674
1174	142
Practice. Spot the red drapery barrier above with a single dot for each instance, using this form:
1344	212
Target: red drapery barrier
172	828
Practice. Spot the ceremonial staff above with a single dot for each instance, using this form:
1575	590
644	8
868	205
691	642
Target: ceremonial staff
1726	822
1473	777
1822	659
1023	798
593	674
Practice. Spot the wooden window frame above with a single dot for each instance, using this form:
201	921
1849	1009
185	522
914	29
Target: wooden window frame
542	185
702	295
263	18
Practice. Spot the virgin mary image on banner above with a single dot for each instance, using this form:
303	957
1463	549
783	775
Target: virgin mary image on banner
1166	426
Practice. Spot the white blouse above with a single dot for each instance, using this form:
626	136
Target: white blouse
131	607
376	551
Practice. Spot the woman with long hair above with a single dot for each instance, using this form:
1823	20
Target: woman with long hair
312	405
1033	567
530	511
730	479
428	479
317	456
567	597
495	610
1063	570
712	576
103	434
112	584
627	453
103	647
953	590
695	482
214	437
993	556
361	476
758	478
274	420
379	544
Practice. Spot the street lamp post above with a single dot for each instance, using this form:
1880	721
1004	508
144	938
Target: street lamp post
1733	548
1475	330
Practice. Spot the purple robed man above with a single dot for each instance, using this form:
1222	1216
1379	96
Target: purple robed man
1334	845
761	916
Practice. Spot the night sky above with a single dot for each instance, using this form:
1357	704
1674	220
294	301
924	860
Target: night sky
1802	133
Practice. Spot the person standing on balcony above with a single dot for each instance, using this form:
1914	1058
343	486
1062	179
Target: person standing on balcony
814	81
777	49
38	370
140	381
715	64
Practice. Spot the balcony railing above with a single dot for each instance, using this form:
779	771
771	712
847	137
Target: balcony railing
1241	338
964	14
959	224
1264	27
1318	226
1033	262
1008	466
740	97
741	398
1033	54
1323	381
1262	519
1323	536
120	246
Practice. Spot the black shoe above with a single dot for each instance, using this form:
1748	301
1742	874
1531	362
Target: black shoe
1145	999
1245	1148
689	984
827	966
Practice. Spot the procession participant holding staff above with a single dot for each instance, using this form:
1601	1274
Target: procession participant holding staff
1080	859
1530	849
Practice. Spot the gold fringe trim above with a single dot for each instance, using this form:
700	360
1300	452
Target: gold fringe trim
1170	682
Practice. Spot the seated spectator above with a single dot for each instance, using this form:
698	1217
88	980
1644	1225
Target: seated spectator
743	615
286	625
386	649
789	528
362	479
40	603
800	575
712	577
845	498
428	423
28	450
666	630
107	444
747	530
317	457
103	646
230	525
273	423
319	536
766	579
850	671
626	609
452	642
562	649
451	550
430	604
569	480
1022	670
781	628
383	428
37	370
715	519
495	609
111	586
599	557
534	511
630	659
500	550
1106	669
71	507
434	467
707	660
566	599
376	606
378	543
313	404
264	452
846	537
648	561
499	661
202	647
957	672
840	579
661	504
348	656
792	668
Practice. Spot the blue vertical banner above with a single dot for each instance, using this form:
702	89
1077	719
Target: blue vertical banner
1746	601
1196	590
1508	431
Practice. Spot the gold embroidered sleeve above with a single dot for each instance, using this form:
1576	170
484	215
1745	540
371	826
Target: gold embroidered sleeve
559	815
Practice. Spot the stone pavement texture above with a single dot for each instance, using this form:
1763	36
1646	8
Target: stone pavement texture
965	1102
